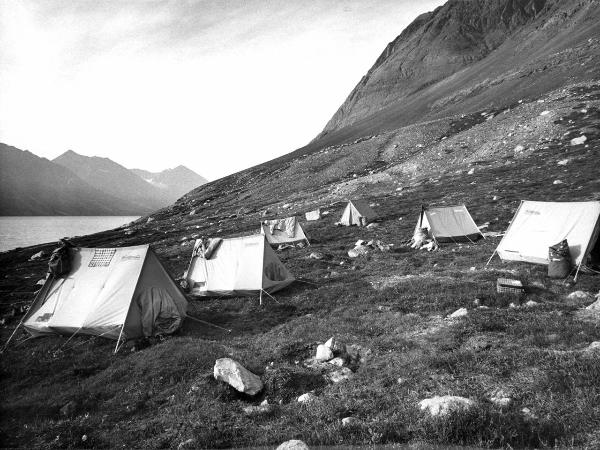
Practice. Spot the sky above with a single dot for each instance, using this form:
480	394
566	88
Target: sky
215	85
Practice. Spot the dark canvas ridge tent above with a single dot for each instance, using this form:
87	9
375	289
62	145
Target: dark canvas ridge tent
449	224
111	292
538	225
284	231
236	266
358	212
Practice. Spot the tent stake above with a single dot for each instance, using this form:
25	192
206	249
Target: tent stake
490	260
208	323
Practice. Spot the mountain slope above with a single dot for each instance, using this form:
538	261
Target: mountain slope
174	182
466	55
108	176
30	185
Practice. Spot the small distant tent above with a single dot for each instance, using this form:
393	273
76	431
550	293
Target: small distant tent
236	266
111	292
358	212
284	231
538	225
313	215
449	224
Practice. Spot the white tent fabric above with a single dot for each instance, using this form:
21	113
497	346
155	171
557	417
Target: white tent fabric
538	225
313	215
449	224
109	292
358	212
291	232
239	266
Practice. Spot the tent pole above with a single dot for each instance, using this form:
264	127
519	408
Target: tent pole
260	297
119	339
421	217
577	272
490	260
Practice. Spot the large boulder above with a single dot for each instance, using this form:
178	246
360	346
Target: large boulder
446	404
237	376
336	346
294	444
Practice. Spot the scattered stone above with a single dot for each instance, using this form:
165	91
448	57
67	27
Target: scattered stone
373	225
513	305
263	408
578	140
286	206
237	376
39	255
69	409
294	444
528	414
339	361
531	304
336	346
358	251
192	212
307	398
582	296
593	347
447	404
150	219
544	113
563	162
471	172
324	353
339	375
462	312
41	282
316	255
190	443
349	421
557	182
519	149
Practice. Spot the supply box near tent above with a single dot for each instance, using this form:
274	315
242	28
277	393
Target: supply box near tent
109	292
449	224
237	266
284	231
538	225
358	212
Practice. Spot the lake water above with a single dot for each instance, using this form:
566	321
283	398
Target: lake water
31	230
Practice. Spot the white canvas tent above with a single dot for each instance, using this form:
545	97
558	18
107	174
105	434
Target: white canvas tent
539	225
449	224
110	292
358	212
237	266
284	231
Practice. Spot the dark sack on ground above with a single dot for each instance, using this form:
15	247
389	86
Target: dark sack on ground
559	260
60	261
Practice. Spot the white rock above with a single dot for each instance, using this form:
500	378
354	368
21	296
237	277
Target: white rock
38	255
360	242
306	398
531	304
579	140
593	347
544	113
340	375
41	282
594	306
563	162
501	401
358	251
462	312
286	206
373	225
336	346
237	376
518	149
150	219
324	353
557	182
528	414
316	255
441	406
580	295
471	172
294	444
339	361
349	421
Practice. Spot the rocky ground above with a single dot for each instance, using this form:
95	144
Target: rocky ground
520	375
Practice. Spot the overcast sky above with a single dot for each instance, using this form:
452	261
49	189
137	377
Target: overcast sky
215	85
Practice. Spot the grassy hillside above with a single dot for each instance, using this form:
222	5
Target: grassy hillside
390	308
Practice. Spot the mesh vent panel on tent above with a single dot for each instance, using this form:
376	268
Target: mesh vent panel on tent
102	257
